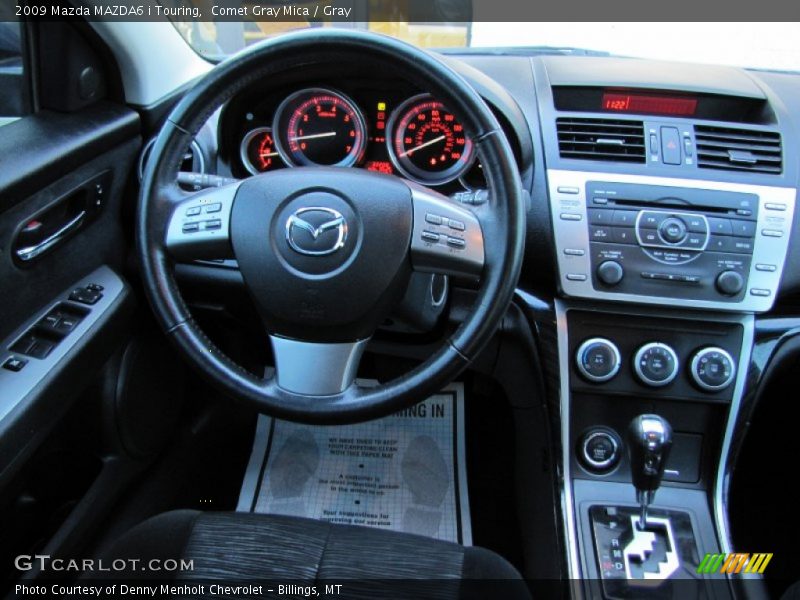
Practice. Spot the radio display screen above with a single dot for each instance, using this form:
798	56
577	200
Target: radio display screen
677	106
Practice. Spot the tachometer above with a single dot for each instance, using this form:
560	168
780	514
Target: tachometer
258	152
319	127
426	142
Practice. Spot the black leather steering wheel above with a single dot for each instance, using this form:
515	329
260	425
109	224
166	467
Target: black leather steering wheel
325	252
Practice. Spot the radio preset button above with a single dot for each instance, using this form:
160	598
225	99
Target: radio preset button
623	235
720	226
729	283
672	230
625	218
744	228
600	216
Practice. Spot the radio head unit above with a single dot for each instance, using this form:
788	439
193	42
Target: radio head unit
697	244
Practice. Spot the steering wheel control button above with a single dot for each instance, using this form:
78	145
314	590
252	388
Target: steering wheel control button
433	219
713	369
598	360
729	283
214	207
599	450
455	242
672	230
212	224
656	364
430	236
456	225
610	272
192	211
15	364
191	227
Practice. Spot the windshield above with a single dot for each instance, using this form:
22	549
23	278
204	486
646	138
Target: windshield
774	46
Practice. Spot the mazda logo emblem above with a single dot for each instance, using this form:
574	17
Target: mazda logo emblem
316	231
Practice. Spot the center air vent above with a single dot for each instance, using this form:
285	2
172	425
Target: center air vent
738	149
614	140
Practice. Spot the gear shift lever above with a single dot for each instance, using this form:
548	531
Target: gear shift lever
649	443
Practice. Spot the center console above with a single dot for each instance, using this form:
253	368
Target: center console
706	256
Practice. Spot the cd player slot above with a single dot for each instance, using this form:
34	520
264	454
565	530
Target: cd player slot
669	206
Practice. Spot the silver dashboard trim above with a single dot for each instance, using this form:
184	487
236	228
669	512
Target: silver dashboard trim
575	235
561	307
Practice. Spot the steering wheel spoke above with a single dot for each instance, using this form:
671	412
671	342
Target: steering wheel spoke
313	368
199	225
446	238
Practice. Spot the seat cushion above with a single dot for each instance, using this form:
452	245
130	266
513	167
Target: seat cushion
248	548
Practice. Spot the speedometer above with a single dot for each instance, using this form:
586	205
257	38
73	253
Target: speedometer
426	142
318	126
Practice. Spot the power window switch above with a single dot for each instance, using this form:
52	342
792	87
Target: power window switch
41	349
15	364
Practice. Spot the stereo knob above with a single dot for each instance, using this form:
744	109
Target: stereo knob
713	369
730	283
598	359
656	364
672	230
599	450
610	272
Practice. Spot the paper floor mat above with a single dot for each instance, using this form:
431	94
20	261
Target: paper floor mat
405	472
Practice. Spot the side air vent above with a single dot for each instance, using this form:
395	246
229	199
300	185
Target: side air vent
615	140
738	149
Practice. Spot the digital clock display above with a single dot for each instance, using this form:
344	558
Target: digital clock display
677	106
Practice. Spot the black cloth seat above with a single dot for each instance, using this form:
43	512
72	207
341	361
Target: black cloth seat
250	548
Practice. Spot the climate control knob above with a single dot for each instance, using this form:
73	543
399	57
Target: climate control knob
610	272
713	369
656	364
598	359
730	283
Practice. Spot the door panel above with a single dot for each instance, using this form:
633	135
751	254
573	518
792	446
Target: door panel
63	178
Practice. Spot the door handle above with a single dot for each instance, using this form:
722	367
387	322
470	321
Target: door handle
31	252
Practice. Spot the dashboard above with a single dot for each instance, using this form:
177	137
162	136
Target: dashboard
618	146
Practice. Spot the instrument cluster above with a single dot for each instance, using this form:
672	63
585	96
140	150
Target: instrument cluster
414	136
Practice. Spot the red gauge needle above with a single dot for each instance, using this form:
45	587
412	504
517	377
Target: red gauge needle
312	136
428	143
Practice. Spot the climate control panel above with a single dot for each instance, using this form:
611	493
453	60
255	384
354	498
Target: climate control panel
653	357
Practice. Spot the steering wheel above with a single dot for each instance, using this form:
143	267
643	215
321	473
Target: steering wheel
325	252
